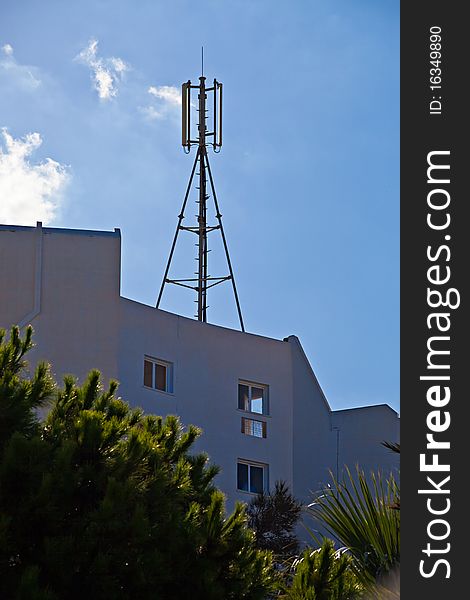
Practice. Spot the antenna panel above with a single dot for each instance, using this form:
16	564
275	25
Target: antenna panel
186	116
217	144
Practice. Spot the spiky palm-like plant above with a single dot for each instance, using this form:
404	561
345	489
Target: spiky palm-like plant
324	574
360	515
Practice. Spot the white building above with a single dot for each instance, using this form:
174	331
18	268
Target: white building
262	411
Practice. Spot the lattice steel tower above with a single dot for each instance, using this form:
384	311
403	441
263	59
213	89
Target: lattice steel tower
204	281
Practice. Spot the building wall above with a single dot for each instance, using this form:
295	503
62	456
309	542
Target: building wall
313	438
67	284
18	250
360	433
208	363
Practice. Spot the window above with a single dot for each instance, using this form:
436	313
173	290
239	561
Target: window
252	477
254	428
253	397
158	374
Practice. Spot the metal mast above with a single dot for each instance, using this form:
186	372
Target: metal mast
202	220
203	282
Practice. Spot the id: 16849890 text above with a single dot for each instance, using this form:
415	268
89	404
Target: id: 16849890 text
435	71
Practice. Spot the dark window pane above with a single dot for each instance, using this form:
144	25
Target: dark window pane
243	401
160	377
242	477
257	400
148	366
256	479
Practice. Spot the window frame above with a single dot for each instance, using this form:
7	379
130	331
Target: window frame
264	427
252	463
169	379
265	401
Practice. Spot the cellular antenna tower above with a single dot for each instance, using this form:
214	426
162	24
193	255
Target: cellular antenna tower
201	167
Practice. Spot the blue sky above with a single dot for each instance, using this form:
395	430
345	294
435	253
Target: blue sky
308	177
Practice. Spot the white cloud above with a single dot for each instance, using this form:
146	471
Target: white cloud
7	49
168	93
168	101
151	113
107	73
28	192
24	76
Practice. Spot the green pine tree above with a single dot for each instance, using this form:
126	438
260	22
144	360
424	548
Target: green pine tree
101	501
273	516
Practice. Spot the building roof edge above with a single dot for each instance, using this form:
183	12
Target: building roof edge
61	230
